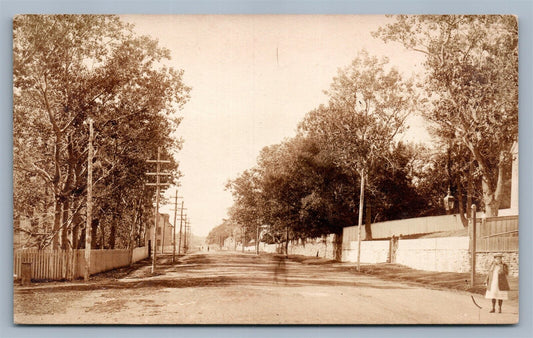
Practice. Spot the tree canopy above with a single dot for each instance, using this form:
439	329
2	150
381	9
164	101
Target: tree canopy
66	69
471	85
308	184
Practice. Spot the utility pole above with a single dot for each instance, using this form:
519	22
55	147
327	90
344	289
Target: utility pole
174	230
361	203
185	245
163	235
181	225
257	240
235	239
89	220
157	184
174	235
176	225
242	240
287	242
189	240
473	247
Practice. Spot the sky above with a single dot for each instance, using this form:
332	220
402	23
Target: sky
253	78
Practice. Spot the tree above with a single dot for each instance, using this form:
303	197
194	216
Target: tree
295	189
472	84
305	190
367	109
393	193
248	209
221	232
67	68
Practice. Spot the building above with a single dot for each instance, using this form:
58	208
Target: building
164	233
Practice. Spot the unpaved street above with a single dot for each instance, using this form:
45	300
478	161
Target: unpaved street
234	288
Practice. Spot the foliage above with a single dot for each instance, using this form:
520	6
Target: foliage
472	85
367	108
301	188
66	69
308	184
223	231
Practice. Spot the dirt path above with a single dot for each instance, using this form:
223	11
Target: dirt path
232	288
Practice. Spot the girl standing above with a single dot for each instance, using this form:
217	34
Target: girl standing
496	282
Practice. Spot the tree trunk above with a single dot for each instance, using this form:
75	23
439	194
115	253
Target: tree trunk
492	192
64	228
113	234
57	223
94	232
368	221
491	203
57	193
492	196
460	204
76	221
67	189
338	247
81	242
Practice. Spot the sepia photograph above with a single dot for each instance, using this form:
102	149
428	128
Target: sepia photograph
265	169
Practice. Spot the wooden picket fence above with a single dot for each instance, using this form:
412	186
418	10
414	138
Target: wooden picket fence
497	234
497	244
70	264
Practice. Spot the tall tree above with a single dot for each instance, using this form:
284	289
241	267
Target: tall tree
248	210
67	68
367	108
472	83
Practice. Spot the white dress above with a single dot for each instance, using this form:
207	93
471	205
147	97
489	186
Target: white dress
494	292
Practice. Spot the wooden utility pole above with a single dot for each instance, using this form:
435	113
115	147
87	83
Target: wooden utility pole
287	242
186	239
89	220
158	184
163	235
257	240
235	239
361	203
181	224
473	247
174	230
242	240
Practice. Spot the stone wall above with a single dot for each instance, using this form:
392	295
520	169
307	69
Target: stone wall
445	254
316	247
435	254
371	252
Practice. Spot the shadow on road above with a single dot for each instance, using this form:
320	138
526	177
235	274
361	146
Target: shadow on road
209	270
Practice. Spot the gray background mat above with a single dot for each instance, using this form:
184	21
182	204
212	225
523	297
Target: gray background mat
524	10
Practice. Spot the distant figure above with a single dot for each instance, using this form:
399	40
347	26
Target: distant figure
280	268
496	282
208	249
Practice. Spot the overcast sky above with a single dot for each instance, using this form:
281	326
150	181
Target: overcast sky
253	79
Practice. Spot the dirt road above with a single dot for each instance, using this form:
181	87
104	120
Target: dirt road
233	288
